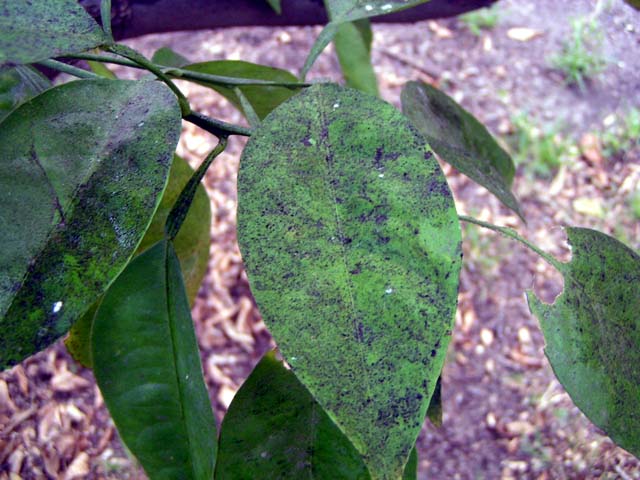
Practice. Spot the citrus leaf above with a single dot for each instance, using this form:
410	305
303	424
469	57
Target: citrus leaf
166	56
262	98
349	10
147	366
353	46
434	413
275	429
34	31
592	333
191	245
276	5
461	140
19	84
352	246
324	38
411	470
82	169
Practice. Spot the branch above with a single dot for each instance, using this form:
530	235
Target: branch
132	18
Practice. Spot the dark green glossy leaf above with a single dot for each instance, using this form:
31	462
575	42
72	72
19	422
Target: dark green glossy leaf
324	38
353	46
193	241
147	366
166	56
37	30
352	246
275	429
263	99
349	10
459	139
411	470
82	169
434	413
592	333
634	3
191	245
19	84
276	5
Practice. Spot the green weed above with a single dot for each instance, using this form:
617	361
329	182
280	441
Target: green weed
542	150
623	135
580	58
479	20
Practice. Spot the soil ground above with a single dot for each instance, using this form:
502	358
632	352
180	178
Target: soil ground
505	414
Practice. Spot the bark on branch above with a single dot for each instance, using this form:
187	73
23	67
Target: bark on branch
132	18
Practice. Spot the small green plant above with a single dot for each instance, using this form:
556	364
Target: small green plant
479	20
581	58
542	150
623	135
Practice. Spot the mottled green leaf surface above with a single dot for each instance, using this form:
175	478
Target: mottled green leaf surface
275	429
191	245
352	246
262	98
19	84
461	140
82	169
349	10
147	366
37	30
353	46
592	333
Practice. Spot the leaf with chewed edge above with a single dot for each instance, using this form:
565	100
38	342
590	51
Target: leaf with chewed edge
275	429
147	365
460	140
82	170
351	242
592	333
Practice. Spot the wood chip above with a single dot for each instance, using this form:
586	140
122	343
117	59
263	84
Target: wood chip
523	34
79	467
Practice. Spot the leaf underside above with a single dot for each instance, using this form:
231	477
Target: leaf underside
460	140
352	246
353	46
275	429
592	333
36	30
82	169
147	366
19	84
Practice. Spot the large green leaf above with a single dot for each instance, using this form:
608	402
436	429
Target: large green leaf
147	366
352	246
82	169
262	98
275	429
37	30
19	84
191	245
353	46
349	10
461	140
592	333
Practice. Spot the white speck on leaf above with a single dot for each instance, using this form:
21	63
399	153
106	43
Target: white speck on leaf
389	291
386	6
381	175
57	307
368	8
